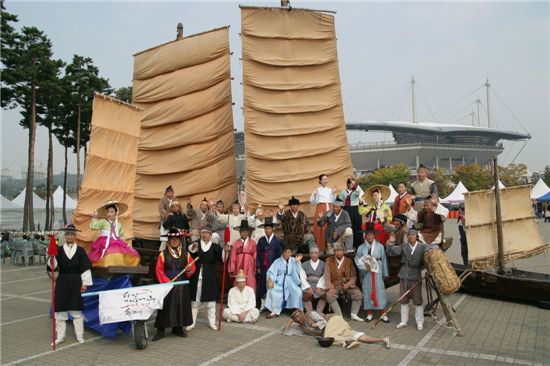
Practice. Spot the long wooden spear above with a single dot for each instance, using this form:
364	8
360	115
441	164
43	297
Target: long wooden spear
226	239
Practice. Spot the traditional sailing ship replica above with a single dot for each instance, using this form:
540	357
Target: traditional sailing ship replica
179	130
501	228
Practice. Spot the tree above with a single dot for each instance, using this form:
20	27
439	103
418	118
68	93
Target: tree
32	69
389	175
513	174
546	175
442	182
124	94
8	40
83	78
473	176
52	102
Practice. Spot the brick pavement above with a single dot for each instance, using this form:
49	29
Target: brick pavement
496	333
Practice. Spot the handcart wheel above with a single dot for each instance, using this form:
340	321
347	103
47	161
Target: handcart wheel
139	332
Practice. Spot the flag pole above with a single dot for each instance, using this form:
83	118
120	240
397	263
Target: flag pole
52	252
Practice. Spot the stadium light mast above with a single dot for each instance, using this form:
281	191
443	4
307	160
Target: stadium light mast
413	100
488	86
478	102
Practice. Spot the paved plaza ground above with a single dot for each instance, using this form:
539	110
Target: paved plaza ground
495	333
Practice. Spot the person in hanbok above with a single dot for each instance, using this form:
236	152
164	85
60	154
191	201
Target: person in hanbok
423	188
110	249
243	255
412	259
352	198
322	198
203	284
231	220
432	222
219	227
164	209
268	249
241	302
176	309
372	264
403	202
341	280
283	284
314	270
257	220
201	216
338	226
329	326
73	279
376	211
295	226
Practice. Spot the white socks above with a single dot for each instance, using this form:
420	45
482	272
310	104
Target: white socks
404	313
211	312
78	323
419	316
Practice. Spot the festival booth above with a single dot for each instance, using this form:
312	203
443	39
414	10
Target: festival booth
544	198
454	199
540	189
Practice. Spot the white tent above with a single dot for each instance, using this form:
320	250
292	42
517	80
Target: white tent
457	195
70	204
500	185
393	194
37	202
6	204
540	189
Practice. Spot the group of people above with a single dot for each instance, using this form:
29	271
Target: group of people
356	231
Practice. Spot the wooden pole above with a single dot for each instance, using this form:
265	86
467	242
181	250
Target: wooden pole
222	291
500	239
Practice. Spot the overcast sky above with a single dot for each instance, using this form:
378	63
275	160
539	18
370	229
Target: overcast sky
449	48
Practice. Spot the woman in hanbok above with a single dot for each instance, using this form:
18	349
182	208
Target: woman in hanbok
110	249
322	198
376	211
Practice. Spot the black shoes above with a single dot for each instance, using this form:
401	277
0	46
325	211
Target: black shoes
158	336
179	332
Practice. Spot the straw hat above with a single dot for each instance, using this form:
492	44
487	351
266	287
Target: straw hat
384	191
241	276
121	208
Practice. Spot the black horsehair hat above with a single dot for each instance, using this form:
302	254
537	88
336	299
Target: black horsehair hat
293	201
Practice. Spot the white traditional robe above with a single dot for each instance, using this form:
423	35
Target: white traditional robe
239	301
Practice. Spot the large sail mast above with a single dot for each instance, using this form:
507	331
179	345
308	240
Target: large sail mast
187	137
294	120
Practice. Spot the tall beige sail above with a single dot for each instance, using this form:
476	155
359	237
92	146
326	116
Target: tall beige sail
110	164
520	231
294	121
187	138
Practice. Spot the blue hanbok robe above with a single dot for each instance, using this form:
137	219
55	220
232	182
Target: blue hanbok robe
286	280
377	299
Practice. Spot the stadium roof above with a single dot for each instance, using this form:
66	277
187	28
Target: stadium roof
431	128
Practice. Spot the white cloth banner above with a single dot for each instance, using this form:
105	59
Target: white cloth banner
134	303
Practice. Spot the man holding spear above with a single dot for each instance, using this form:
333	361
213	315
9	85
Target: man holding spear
173	263
74	277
